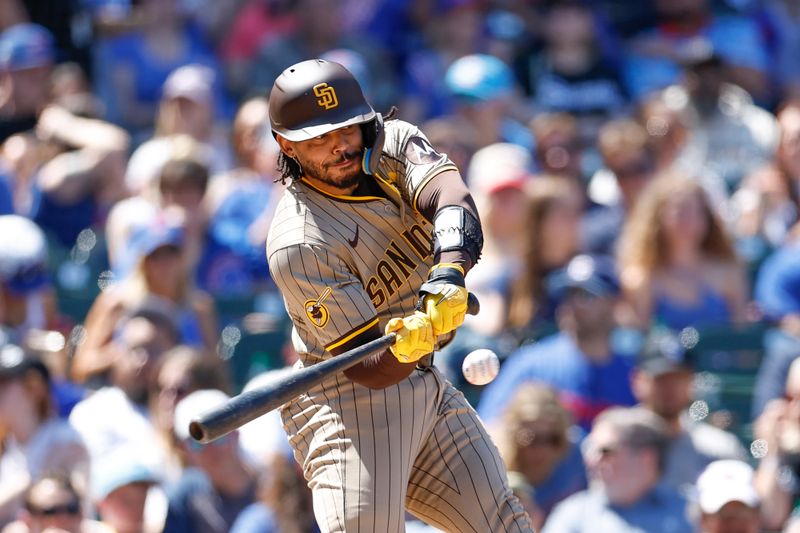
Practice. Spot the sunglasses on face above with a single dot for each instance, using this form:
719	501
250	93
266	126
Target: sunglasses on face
606	451
71	508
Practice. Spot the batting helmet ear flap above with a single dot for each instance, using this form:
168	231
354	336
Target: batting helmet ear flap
374	136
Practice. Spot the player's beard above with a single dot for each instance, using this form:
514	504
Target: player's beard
328	174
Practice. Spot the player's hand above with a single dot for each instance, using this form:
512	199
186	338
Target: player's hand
414	339
444	298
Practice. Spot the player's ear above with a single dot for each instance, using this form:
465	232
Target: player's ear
286	146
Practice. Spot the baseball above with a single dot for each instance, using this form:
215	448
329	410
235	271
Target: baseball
480	366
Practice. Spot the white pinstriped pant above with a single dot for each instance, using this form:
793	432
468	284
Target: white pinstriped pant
369	455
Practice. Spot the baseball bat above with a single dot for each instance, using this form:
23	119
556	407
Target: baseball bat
252	404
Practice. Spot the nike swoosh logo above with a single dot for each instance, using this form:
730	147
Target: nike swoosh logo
354	241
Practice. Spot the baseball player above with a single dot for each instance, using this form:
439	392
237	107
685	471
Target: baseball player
375	233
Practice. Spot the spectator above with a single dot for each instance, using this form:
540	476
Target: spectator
450	29
727	499
571	73
653	54
767	204
733	135
678	264
241	202
27	55
558	149
628	167
29	301
498	175
669	130
53	504
33	440
777	293
186	107
158	277
284	501
662	383
116	415
146	206
127	493
241	28
486	103
148	326
218	484
553	237
582	361
625	455
21	159
313	36
131	68
181	371
537	440
777	475
70	87
81	176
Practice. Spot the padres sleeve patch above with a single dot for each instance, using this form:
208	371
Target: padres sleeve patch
316	311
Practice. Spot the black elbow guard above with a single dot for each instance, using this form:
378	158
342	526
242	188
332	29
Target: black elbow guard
456	228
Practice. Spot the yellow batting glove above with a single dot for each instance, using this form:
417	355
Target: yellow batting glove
444	298
414	337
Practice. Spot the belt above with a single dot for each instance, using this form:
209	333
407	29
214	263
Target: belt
425	362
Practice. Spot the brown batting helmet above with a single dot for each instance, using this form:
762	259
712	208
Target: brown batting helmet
314	97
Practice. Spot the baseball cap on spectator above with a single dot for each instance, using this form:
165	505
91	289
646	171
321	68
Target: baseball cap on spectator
665	351
23	254
118	468
15	362
193	82
726	481
193	405
25	46
146	239
499	166
595	274
479	78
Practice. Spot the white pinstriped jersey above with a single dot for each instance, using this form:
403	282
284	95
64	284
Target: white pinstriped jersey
344	263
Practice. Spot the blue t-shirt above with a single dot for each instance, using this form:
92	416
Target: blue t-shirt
196	507
568	477
6	198
585	388
132	51
255	518
64	221
777	287
662	510
710	309
231	265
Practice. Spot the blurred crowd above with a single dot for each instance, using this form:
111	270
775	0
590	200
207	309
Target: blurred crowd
636	166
